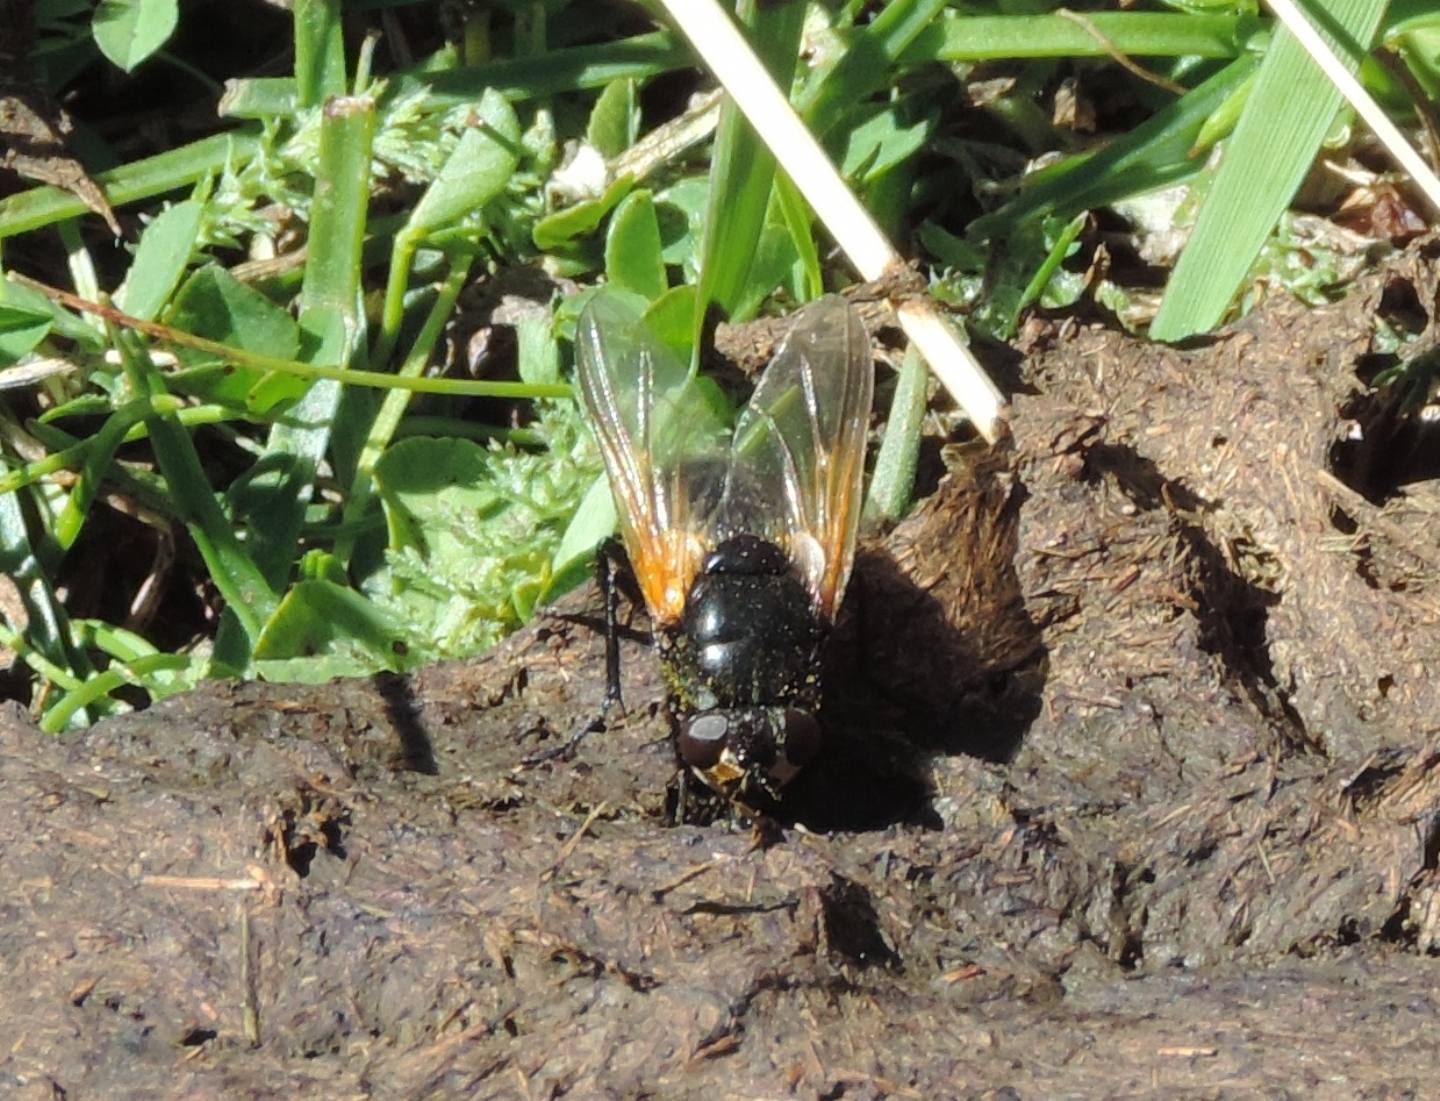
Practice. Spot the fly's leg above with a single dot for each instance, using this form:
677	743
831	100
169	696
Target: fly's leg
608	556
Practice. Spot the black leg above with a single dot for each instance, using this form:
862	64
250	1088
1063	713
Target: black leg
608	555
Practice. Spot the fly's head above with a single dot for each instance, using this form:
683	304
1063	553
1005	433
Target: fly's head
745	750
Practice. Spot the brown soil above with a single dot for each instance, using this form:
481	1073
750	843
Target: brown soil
1133	789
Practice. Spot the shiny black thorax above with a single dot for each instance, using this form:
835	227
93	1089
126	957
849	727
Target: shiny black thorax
749	636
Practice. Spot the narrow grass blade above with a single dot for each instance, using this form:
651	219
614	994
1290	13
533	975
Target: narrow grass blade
742	168
143	179
959	37
566	70
382	430
100	453
330	319
1289	110
892	486
47	630
869	64
319	51
248	595
1157	152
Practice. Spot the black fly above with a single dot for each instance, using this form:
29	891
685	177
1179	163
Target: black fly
740	541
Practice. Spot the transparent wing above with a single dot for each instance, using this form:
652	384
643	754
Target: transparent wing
662	442
797	461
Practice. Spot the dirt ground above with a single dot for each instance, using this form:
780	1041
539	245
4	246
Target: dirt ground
1132	789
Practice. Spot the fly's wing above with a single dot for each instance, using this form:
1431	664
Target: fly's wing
797	462
659	437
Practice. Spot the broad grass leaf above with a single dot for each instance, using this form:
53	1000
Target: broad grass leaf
1285	119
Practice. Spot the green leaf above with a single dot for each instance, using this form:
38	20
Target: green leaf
1280	130
129	31
892	485
249	596
671	318
1158	151
21	328
47	627
680	209
431	489
593	521
142	179
742	168
774	258
633	259
161	259
537	353
795	214
474	530
564	226
62	321
477	171
214	304
320	619
869	63
319	51
615	120
960	37
883	141
277	490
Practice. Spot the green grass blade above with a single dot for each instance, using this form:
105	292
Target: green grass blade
1280	130
392	408
476	173
869	64
567	70
329	316
99	454
97	687
143	179
521	78
958	37
319	51
1156	152
190	495
892	486
47	630
742	168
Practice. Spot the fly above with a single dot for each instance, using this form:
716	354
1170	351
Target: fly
741	542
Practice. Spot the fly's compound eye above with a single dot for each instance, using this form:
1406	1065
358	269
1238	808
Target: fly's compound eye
702	740
802	738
